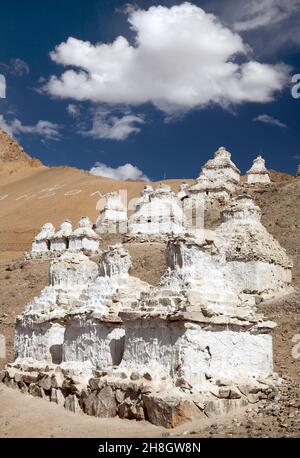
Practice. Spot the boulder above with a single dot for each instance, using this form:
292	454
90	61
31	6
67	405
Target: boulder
36	391
72	404
57	396
169	411
101	404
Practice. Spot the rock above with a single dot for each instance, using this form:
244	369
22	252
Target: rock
102	404
10	383
72	387
234	393
31	377
18	376
135	376
223	406
120	395
131	410
253	398
23	387
224	393
45	382
36	391
57	396
95	383
98	374
182	383
3	374
146	389
169	411
147	376
72	404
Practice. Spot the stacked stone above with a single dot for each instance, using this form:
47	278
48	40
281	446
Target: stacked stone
258	172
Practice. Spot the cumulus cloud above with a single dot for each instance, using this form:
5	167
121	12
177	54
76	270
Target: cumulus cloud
123	172
182	58
261	13
113	127
48	130
270	120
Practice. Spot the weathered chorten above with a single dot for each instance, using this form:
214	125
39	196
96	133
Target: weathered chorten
113	215
40	329
183	192
193	329
84	237
298	171
75	322
159	212
94	332
144	197
60	240
258	172
255	261
218	179
41	242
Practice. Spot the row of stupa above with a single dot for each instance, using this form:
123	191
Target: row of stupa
101	341
158	211
65	238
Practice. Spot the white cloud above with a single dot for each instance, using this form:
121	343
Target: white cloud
261	13
183	58
123	172
19	67
112	127
46	129
270	120
73	110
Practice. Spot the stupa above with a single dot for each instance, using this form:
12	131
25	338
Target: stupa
40	329
159	212
218	179
84	237
41	242
193	325
60	240
94	333
183	192
255	261
113	216
258	172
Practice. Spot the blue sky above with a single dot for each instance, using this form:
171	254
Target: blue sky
175	87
